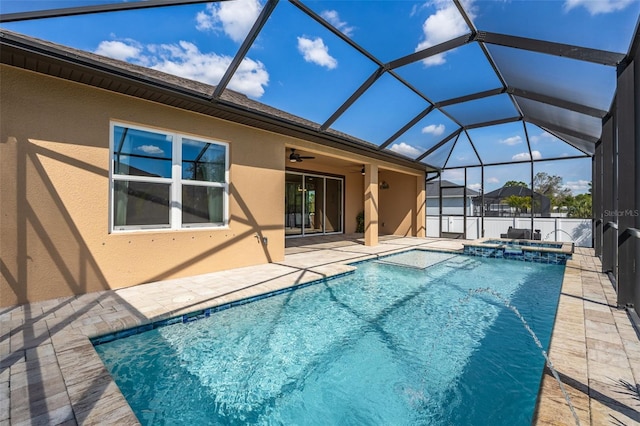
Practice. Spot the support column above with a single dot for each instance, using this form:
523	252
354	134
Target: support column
596	192
627	121
532	196
421	205
609	197
482	201
371	205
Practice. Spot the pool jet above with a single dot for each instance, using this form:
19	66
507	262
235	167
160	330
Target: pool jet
508	305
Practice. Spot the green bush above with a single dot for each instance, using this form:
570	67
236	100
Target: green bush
360	222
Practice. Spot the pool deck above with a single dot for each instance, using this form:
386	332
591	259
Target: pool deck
50	373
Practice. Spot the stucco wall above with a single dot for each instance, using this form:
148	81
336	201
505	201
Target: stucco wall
54	193
397	214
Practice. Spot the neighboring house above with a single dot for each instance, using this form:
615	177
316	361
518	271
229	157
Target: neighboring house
113	175
495	202
452	198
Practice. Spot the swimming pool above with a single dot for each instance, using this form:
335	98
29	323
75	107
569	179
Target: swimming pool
409	339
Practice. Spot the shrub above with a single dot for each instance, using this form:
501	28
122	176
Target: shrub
360	222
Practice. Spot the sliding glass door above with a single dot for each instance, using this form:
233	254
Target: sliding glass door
333	206
313	204
293	211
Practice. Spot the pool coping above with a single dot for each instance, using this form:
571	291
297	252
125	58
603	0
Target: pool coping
51	372
207	312
595	351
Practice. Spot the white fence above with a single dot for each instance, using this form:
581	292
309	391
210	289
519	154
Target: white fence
559	229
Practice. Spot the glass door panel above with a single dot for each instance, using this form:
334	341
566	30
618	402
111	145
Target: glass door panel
333	206
293	220
314	204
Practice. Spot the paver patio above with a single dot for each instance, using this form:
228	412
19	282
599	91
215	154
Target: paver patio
50	373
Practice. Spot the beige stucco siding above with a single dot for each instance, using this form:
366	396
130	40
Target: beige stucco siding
54	194
401	204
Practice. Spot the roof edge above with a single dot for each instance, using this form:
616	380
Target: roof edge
179	92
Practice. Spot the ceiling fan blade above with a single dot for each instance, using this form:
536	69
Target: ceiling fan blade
296	157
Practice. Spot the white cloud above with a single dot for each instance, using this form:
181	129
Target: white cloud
150	149
250	78
521	156
525	156
445	24
235	18
317	52
600	6
417	8
475	186
453	175
185	60
578	186
334	19
119	49
513	140
434	129
493	180
405	149
544	136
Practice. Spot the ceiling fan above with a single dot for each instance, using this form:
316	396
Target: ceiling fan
294	157
359	170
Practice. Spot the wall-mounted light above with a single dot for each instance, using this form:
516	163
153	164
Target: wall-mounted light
384	185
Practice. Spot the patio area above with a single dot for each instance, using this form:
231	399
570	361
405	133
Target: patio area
50	373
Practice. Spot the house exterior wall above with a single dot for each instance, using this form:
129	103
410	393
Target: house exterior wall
54	193
404	207
397	204
54	190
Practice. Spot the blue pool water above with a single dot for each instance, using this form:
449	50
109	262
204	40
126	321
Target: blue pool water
406	340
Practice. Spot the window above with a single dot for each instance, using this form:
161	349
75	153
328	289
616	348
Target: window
163	180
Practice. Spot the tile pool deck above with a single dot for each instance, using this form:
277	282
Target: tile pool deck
50	373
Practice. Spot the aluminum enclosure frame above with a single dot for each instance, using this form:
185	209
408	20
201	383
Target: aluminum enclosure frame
482	38
628	213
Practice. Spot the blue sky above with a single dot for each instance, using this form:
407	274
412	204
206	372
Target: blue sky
299	66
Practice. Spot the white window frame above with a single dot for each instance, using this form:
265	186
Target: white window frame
175	182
